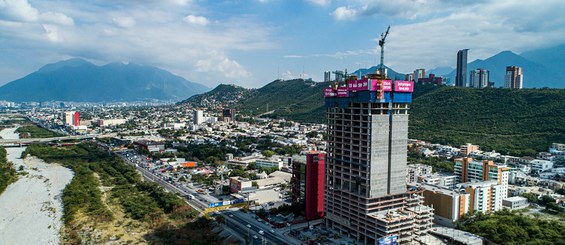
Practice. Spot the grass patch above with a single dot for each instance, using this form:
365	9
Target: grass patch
33	131
8	173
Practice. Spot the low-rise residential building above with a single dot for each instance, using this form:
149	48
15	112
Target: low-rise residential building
514	203
269	163
539	165
238	183
449	205
467	149
485	196
151	146
447	181
413	171
110	122
558	147
468	170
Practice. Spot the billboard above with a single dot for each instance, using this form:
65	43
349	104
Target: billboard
389	240
387	85
240	200
404	86
342	92
358	85
215	204
329	92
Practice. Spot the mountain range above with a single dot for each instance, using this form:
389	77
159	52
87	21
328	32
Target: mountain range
541	67
81	81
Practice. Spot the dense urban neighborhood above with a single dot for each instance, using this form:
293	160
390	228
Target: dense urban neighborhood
261	180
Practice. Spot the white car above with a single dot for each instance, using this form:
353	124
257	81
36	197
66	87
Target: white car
261	232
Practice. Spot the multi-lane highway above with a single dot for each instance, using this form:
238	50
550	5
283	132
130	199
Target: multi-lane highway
257	232
194	203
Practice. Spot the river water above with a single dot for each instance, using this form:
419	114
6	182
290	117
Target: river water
31	208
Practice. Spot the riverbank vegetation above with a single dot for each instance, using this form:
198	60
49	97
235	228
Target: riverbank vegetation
108	200
34	131
8	173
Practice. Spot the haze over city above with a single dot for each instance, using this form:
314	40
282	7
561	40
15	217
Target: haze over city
251	43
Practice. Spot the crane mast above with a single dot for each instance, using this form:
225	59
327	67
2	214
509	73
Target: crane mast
382	44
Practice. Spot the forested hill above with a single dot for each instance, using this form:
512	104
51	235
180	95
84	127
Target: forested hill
518	122
298	99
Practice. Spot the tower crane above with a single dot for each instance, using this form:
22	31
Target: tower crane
382	44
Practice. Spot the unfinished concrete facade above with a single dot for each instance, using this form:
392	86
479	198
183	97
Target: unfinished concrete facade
366	171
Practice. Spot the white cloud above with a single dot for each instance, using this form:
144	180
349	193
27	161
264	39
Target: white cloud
293	56
19	10
198	20
486	29
124	22
320	2
57	18
407	9
217	62
181	2
52	33
344	13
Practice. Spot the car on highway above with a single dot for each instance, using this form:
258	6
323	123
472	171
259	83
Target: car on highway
248	225
261	232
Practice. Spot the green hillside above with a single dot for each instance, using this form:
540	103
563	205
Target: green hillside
223	95
297	99
518	122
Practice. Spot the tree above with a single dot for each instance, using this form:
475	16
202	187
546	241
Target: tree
553	206
254	184
545	200
211	160
251	166
531	197
268	153
220	219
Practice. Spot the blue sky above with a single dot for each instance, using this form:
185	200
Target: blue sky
253	42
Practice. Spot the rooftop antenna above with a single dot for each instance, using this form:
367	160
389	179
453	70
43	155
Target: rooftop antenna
382	44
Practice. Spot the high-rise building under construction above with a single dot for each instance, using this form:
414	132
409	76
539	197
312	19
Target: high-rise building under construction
365	191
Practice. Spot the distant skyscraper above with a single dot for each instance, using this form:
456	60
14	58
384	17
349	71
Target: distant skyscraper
72	118
228	115
198	117
513	78
479	78
409	77
327	76
461	75
419	73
